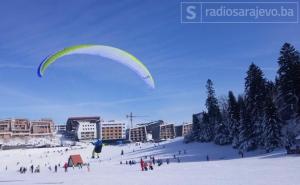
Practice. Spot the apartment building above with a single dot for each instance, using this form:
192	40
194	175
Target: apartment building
42	127
86	130
138	134
60	129
113	130
187	128
20	127
178	130
5	129
23	128
83	128
167	131
159	130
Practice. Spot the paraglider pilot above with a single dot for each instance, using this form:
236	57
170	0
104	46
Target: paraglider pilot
98	148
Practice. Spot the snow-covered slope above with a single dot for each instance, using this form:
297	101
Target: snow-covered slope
224	168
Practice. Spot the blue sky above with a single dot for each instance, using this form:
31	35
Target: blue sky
181	57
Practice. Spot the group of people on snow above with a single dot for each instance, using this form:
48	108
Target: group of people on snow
145	166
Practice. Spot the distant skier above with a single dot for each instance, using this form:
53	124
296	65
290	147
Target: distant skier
167	161
207	158
142	164
150	166
66	167
31	168
37	169
159	162
122	152
88	167
145	166
241	153
55	168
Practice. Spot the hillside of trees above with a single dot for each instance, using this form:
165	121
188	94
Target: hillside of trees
266	115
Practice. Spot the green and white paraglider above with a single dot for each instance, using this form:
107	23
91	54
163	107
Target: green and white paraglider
109	52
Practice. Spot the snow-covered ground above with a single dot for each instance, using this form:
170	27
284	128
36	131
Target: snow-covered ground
34	141
224	168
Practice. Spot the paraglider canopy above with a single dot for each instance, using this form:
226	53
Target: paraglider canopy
109	52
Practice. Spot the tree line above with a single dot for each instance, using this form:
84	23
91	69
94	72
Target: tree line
266	115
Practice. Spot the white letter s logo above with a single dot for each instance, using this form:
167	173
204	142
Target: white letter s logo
191	12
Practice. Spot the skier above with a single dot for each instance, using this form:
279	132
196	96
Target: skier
66	167
55	168
241	154
207	158
31	168
159	162
37	169
145	166
167	161
142	164
88	167
150	166
122	152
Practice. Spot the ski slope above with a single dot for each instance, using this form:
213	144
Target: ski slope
225	167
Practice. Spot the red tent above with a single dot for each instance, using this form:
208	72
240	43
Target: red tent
75	160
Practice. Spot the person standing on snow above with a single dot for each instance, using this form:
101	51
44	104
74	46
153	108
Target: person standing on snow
88	167
145	166
150	166
207	158
66	167
167	161
142	164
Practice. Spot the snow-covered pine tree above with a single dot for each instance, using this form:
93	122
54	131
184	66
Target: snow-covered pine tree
272	124
254	100
196	128
205	134
233	119
213	109
246	130
288	84
222	134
